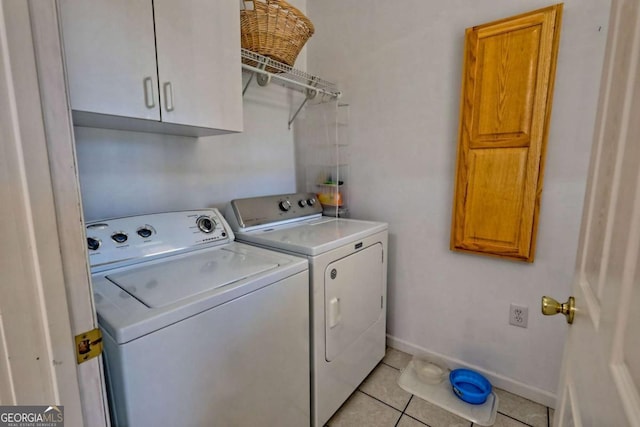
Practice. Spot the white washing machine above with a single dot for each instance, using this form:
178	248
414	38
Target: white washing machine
348	285
199	330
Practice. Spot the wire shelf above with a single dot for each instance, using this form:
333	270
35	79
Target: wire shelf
288	76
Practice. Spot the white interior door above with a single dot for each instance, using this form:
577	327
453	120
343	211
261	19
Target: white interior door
37	357
601	369
45	295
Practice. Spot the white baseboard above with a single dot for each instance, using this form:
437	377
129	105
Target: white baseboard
516	387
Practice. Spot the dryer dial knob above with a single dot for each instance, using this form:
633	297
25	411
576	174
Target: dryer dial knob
206	224
285	205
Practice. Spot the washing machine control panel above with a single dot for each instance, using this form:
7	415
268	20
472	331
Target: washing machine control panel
265	210
121	240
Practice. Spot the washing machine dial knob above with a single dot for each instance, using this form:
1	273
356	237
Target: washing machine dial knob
285	205
206	224
119	237
144	232
93	244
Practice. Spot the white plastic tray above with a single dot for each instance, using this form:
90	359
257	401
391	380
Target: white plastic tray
442	395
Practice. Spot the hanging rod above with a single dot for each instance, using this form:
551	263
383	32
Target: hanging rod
265	69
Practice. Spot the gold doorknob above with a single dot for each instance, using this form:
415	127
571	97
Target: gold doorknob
550	307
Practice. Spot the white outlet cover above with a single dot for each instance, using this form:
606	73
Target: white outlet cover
518	315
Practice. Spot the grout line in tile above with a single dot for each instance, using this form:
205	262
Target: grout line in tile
415	419
402	413
398	420
386	364
515	419
381	401
407	405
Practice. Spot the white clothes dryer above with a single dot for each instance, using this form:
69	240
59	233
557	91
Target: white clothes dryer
199	330
348	285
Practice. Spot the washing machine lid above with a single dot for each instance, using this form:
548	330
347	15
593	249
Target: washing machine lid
171	289
175	280
312	237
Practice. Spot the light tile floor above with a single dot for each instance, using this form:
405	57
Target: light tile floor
380	402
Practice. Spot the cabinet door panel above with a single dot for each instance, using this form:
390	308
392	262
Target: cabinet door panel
507	86
110	55
503	108
198	44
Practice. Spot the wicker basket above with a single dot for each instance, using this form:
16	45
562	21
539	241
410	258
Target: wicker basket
274	28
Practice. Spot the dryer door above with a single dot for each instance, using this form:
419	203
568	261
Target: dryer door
353	298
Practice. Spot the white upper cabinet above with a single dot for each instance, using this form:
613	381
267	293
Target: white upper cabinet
154	66
109	50
194	38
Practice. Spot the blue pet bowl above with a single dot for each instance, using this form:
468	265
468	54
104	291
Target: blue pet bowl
470	386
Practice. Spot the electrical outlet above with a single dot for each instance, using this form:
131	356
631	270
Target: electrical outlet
518	315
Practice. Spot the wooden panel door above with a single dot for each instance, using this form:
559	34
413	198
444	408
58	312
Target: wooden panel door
110	57
199	69
507	87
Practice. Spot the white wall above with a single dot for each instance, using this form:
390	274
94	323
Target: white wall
127	173
399	64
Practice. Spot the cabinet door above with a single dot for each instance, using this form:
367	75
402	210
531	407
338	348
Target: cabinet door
110	57
198	44
507	86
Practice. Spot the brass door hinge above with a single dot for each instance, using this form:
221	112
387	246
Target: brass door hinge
88	345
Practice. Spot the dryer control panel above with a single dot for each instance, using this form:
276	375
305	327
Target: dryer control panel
121	241
252	212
